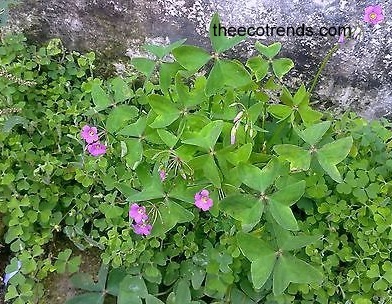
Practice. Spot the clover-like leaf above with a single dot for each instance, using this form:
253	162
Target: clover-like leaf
268	51
333	153
313	134
219	41
259	179
298	157
191	57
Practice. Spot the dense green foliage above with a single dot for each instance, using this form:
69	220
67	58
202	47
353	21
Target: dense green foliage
301	210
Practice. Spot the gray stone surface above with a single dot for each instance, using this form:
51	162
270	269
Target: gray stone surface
358	77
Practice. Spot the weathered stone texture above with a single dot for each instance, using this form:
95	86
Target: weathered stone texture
358	76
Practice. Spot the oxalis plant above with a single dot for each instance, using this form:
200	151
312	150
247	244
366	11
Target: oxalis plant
218	157
199	178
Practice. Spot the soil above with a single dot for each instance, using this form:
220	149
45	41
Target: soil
58	287
3	263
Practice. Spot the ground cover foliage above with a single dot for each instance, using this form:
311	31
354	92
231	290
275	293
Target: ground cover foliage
200	178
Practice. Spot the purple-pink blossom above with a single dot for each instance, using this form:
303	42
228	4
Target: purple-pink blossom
202	200
138	213
142	228
89	134
96	148
162	174
373	14
341	38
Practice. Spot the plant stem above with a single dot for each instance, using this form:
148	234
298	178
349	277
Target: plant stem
322	66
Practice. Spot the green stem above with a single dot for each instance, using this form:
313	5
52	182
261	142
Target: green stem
322	66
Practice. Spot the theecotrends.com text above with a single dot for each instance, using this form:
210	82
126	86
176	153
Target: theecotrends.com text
267	30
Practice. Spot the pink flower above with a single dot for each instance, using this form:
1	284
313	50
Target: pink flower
162	174
89	134
341	38
96	148
373	14
138	213
202	200
142	228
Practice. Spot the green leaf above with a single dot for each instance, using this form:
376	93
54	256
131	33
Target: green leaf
280	278
241	155
166	110
333	153
161	105
373	272
299	241
168	138
160	50
121	90
148	193
282	66
332	171
237	296
182	292
227	73
191	57
308	115
84	281
153	300
336	151
298	157
208	136
13	121
290	194
243	207
282	215
234	73
144	65
197	278
100	98
313	134
259	67
262	268
280	111
167	72
220	42
298	271
116	276
136	129
134	153
171	214
301	96
252	247
119	116
211	171
258	179
162	121
215	80
133	284
90	298
268	51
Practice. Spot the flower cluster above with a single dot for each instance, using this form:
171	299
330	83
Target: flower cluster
94	146
202	200
139	216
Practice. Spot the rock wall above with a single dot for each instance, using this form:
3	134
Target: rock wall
358	76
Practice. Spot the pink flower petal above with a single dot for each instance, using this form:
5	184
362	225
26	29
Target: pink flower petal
204	192
377	9
369	10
